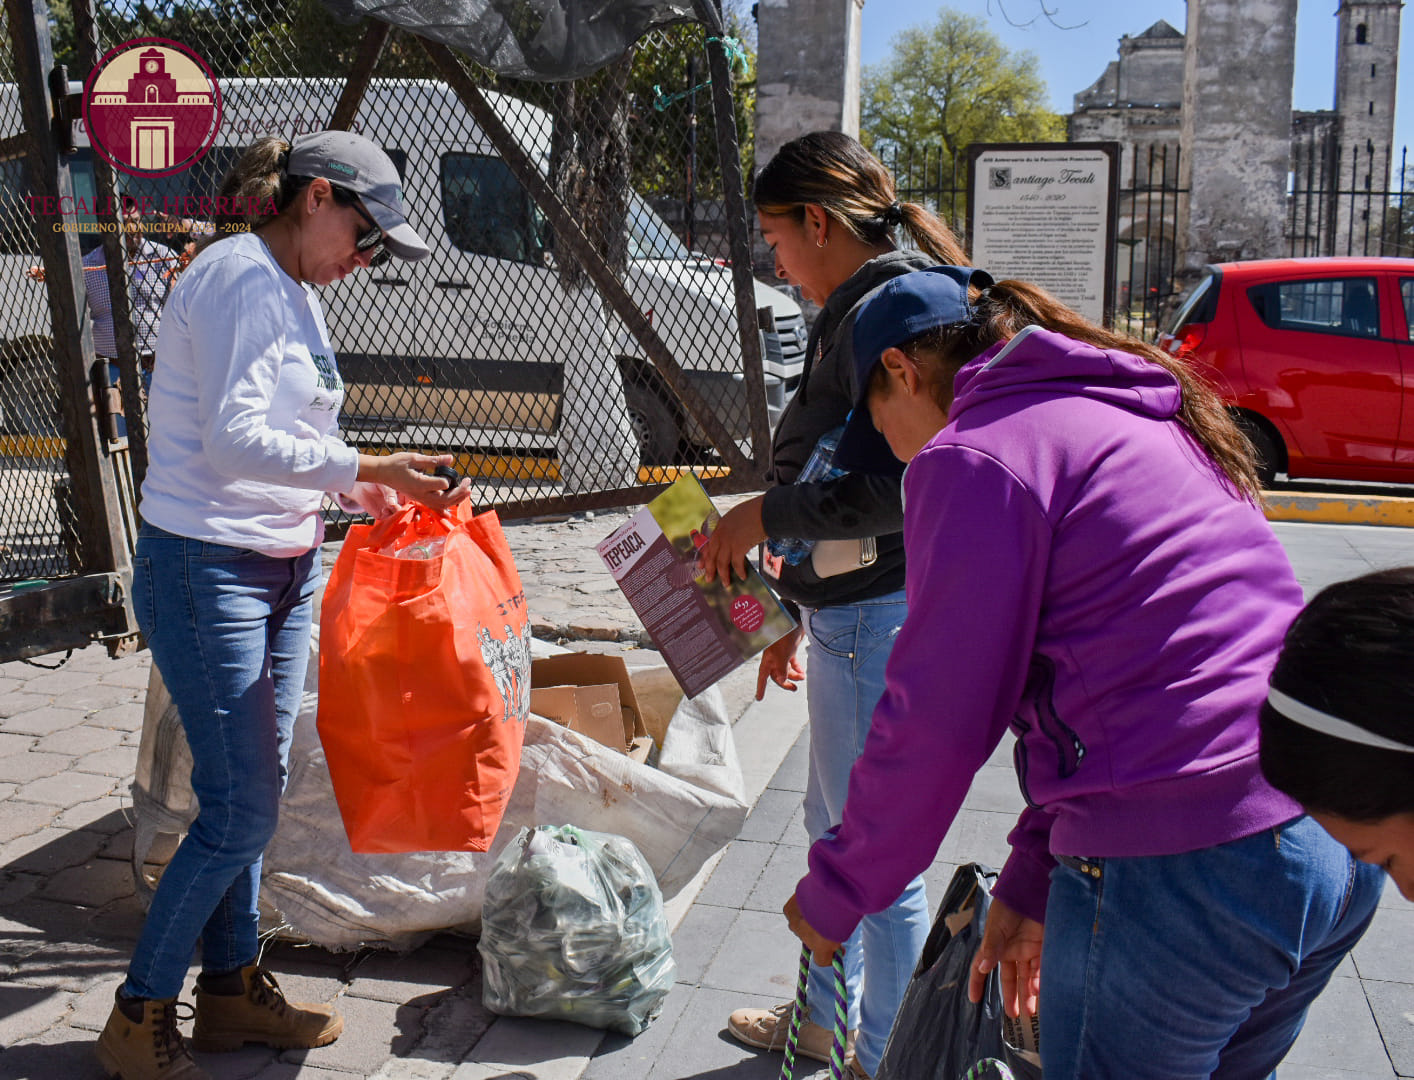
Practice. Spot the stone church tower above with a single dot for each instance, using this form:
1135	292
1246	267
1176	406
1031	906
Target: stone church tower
1366	67
1366	70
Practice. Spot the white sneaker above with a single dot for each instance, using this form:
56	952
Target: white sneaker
768	1029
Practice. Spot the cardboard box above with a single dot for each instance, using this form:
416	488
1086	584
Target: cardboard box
593	695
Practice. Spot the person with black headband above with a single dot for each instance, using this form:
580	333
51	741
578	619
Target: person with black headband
1088	570
244	411
1338	723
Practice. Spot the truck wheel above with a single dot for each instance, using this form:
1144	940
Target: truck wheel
654	424
1266	451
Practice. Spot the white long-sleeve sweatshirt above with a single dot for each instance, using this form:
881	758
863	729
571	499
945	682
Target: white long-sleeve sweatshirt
244	403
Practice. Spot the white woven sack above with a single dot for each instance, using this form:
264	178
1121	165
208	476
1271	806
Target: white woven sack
316	889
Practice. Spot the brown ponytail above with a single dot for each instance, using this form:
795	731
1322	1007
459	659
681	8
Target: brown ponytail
930	234
257	180
832	170
1008	307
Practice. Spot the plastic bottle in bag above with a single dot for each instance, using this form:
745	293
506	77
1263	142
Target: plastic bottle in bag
427	548
573	928
820	467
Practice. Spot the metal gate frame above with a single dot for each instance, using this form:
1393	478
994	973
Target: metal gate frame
744	474
38	617
105	474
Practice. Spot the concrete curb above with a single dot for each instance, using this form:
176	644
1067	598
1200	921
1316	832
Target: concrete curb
1330	509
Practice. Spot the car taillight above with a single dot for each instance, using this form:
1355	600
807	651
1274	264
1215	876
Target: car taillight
1187	340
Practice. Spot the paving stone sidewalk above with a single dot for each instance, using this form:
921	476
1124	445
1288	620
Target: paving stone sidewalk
68	916
69	732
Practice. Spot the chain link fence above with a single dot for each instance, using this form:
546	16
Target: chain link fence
503	348
40	539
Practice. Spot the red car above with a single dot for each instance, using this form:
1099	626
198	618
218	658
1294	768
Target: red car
1315	358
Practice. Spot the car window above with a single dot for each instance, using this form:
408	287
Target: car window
1348	306
487	212
17	222
1406	294
1200	307
649	236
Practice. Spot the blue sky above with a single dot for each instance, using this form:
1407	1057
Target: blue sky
1072	59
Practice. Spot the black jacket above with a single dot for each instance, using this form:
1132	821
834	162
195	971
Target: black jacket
853	505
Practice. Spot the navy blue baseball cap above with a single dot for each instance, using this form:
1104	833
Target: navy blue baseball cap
897	312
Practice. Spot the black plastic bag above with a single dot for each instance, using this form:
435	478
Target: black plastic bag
939	1033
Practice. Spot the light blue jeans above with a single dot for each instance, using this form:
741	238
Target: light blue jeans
1196	965
229	630
849	647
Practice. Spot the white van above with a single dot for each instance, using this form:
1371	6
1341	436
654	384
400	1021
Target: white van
467	349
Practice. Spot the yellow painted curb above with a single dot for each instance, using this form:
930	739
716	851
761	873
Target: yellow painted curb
519	467
1327	509
526	467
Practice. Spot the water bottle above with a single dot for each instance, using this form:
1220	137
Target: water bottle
427	548
820	467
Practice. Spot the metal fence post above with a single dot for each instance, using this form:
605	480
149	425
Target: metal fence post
734	199
115	267
370	51
71	612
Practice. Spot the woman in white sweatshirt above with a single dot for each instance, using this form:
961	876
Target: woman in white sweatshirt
244	408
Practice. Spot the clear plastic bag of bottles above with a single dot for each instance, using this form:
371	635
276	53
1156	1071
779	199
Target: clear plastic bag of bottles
573	928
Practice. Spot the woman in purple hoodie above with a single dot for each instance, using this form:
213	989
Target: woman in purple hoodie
1088	569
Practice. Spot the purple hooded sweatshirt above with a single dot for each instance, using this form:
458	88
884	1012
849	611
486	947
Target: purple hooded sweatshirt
1078	571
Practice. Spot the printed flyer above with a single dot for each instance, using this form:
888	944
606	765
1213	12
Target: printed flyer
703	630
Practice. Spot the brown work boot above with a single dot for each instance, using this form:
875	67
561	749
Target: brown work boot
767	1029
261	1015
150	1048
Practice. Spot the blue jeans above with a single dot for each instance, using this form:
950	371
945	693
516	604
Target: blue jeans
1196	965
229	630
849	647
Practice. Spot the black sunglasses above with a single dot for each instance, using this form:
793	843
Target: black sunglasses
371	239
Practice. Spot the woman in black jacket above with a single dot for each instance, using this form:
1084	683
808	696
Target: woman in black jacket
829	211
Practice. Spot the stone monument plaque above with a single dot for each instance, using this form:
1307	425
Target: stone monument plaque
1045	213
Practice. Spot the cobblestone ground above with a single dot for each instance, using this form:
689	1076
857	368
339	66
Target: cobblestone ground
68	913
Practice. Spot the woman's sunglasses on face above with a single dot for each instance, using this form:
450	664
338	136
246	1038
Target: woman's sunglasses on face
371	239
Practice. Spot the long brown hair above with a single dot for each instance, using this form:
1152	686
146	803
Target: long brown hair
832	170
1008	307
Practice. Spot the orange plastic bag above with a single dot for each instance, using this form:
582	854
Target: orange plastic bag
424	681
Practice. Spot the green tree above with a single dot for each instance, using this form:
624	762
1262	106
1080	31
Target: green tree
308	41
952	84
662	104
219	31
61	33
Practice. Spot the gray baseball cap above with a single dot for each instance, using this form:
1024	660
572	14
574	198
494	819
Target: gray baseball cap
358	165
